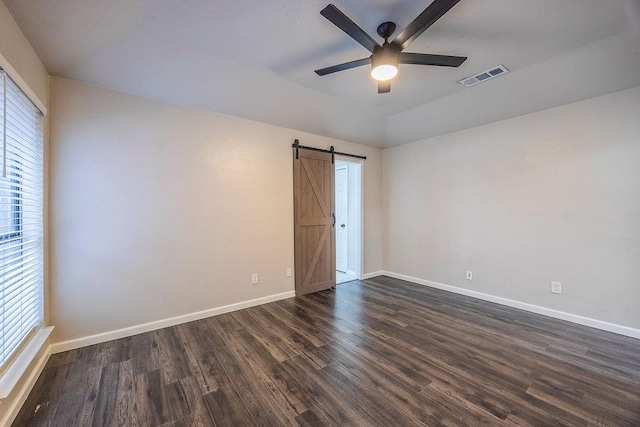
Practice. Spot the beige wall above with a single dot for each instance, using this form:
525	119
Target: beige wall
19	59
553	196
160	210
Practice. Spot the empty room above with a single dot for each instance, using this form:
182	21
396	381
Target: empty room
364	213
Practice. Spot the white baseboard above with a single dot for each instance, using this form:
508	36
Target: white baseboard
164	323
586	321
351	273
21	397
372	275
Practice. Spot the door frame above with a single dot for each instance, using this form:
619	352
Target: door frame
343	167
359	243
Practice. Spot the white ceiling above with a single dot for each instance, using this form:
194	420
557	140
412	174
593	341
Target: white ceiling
255	58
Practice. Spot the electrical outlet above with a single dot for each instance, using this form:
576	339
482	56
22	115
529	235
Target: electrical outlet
289	273
556	287
469	275
254	278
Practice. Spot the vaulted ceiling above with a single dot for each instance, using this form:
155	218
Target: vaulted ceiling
255	58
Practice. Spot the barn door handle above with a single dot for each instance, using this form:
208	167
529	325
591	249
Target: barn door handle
334	219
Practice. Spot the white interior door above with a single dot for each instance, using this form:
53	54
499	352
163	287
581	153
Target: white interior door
342	202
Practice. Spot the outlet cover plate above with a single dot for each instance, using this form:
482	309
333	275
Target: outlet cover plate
556	287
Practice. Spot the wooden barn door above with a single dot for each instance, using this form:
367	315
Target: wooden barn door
314	221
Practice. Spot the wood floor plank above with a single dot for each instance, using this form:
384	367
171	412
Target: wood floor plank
203	365
481	391
77	389
281	317
402	370
256	395
374	352
171	355
105	412
384	395
150	404
144	353
533	411
124	395
285	388
451	408
42	402
316	417
227	408
115	351
188	406
332	397
278	349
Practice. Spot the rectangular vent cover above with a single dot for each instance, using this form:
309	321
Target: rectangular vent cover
484	76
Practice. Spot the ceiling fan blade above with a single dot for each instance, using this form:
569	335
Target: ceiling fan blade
343	22
344	66
426	19
384	86
428	59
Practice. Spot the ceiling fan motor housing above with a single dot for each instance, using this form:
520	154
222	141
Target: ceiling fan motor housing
387	54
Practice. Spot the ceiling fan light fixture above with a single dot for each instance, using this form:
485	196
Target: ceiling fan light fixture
384	72
384	63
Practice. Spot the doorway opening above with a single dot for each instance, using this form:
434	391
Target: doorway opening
348	197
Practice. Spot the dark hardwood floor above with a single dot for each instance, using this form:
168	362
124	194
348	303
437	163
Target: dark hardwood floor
377	352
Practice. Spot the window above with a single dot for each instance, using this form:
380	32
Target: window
21	219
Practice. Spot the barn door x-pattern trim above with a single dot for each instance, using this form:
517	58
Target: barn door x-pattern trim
316	256
314	185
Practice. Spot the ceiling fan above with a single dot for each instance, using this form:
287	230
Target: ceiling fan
385	59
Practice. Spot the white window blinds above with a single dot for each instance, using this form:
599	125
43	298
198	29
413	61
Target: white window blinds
21	218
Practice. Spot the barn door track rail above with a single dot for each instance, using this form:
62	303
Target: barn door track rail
296	145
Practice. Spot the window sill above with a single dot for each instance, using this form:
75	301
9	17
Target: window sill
19	366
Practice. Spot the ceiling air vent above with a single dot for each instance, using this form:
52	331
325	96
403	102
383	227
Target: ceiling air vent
484	76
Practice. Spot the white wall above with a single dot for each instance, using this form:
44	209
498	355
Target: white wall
552	196
19	59
160	210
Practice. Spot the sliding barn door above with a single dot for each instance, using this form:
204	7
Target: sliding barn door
314	221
